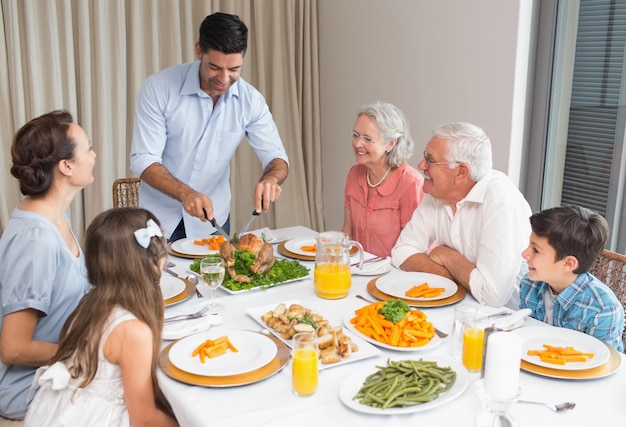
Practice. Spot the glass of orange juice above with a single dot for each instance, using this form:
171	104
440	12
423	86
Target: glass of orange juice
304	363
473	342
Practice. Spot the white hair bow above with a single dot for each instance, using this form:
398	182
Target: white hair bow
143	235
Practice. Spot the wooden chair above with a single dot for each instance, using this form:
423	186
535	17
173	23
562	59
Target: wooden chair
126	193
610	268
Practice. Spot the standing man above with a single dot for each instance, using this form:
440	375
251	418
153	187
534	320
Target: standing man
474	218
189	121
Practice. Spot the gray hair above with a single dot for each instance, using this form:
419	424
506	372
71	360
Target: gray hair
467	144
393	125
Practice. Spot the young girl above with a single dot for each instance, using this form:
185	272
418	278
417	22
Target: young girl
104	372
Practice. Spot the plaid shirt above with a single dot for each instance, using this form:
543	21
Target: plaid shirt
587	305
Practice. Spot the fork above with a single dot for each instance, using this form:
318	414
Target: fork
367	261
196	315
440	334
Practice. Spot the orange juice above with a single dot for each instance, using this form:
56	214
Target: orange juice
332	281
473	339
304	371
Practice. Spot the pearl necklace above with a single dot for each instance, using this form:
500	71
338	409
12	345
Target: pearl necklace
367	175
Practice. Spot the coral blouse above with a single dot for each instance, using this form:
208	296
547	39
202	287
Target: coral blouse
377	224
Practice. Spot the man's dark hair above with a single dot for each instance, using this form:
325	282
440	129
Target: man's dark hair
223	32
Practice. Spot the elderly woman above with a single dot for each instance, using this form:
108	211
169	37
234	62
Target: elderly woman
382	190
43	274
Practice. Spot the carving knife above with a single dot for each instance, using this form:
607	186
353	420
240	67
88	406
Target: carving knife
216	225
245	227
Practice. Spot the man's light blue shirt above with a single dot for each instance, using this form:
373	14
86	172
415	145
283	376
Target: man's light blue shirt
587	305
177	125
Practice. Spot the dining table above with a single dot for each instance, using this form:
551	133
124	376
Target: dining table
272	402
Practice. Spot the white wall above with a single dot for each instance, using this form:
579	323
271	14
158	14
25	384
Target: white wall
437	60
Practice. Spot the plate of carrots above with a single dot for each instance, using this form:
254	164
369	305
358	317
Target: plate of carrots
416	286
197	247
222	353
561	348
412	332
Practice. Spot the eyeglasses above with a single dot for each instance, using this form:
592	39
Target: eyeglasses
430	162
366	139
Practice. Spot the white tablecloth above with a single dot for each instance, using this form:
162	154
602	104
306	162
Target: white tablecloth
271	402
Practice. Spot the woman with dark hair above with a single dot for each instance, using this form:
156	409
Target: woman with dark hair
42	267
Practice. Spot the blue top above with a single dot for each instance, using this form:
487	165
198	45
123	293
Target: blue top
38	271
587	305
176	125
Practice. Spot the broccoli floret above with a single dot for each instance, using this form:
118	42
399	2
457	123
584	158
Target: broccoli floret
394	310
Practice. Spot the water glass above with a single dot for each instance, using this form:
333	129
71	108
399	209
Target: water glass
212	270
304	363
461	312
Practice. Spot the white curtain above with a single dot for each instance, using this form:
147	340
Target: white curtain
91	56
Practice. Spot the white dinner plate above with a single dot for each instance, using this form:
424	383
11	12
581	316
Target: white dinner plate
376	268
295	245
353	382
434	341
186	246
254	351
533	338
171	286
399	282
366	350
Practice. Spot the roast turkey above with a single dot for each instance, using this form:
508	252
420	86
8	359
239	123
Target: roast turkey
263	256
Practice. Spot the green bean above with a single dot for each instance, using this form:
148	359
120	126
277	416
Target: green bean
405	383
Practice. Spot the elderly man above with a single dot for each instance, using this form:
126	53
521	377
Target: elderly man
472	225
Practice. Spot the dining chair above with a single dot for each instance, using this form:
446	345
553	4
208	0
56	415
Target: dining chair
126	193
610	268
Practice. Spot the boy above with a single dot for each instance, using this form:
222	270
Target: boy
564	243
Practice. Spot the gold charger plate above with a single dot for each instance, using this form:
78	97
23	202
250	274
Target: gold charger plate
452	299
274	366
189	290
606	369
286	252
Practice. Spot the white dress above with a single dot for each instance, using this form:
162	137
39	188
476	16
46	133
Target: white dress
59	402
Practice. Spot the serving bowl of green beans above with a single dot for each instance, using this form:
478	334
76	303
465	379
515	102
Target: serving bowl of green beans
404	386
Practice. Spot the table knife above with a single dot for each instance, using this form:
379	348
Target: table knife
245	227
172	273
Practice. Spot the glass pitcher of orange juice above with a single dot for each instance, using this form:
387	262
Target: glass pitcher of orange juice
331	277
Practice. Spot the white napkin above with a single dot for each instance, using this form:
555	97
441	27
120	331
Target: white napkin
269	235
176	330
373	268
182	328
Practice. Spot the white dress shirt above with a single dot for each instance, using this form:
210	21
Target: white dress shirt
490	229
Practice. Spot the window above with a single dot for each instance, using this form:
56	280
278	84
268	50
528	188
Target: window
580	131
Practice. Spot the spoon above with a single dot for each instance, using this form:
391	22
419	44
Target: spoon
559	407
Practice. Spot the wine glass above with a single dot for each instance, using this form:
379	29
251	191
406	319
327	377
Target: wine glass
212	270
